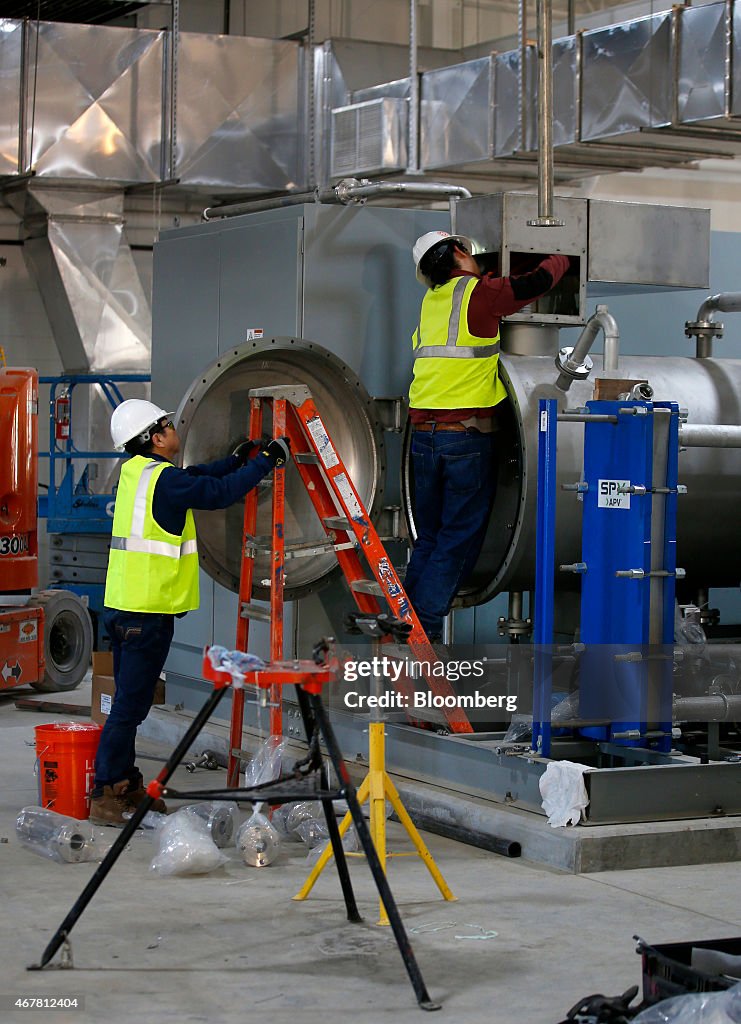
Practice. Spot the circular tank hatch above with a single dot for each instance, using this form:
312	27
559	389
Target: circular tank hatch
214	415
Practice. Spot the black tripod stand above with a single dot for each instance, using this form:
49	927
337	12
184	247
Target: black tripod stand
307	781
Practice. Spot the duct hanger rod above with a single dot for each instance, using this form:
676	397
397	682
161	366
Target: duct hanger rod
545	218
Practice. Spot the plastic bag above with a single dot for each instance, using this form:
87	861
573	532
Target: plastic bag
267	762
564	709
258	841
350	841
221	817
59	838
185	847
696	1008
520	728
279	819
237	663
302	810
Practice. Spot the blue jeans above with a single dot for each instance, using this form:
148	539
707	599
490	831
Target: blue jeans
455	478
140	643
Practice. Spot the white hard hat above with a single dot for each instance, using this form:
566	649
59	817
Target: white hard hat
134	417
429	240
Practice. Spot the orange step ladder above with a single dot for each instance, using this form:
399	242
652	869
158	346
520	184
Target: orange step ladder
350	532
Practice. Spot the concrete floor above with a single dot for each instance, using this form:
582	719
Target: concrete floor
233	946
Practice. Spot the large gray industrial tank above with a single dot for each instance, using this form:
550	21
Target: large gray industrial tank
214	415
708	542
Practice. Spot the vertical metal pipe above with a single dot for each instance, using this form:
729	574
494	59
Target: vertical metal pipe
23	101
728	62
676	51
545	218
165	151
545	110
522	94
174	48
578	83
570	18
413	154
311	99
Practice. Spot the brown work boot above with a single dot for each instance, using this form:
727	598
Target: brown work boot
109	809
136	793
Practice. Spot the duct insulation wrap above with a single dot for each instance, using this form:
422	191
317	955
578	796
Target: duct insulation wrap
707	521
214	416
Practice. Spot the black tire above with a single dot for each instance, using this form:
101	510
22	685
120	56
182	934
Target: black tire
68	640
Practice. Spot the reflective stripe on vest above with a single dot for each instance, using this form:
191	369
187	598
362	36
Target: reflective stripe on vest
154	547
452	350
462	373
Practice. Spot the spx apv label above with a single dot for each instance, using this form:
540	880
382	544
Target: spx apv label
613	494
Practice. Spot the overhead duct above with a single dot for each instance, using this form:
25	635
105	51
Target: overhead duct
84	268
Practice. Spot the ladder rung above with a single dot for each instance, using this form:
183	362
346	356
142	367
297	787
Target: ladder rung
307	550
254	611
337	522
311	458
367	587
299	549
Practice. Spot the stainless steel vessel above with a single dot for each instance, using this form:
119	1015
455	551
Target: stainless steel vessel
214	415
708	519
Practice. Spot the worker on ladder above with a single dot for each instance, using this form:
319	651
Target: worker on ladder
453	407
153	575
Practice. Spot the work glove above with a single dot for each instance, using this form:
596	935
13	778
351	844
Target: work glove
278	451
244	449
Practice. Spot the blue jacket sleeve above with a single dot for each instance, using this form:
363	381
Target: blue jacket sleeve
177	490
218	469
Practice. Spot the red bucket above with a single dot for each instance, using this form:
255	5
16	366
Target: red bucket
66	757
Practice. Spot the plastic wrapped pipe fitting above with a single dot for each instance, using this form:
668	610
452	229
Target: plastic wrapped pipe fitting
221	817
57	837
258	842
185	847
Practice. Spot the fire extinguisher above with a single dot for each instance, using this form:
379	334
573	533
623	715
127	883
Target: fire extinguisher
62	416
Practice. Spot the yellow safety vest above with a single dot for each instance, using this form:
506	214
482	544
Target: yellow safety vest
453	369
149	569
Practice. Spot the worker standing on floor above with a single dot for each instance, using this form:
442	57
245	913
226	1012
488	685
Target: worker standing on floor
153	576
453	403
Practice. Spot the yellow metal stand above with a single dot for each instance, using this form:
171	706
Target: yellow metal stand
377	788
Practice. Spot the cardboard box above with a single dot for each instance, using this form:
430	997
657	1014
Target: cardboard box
104	687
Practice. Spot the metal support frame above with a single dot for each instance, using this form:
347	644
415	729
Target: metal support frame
545	556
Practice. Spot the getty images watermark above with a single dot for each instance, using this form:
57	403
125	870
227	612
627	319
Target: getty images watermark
400	678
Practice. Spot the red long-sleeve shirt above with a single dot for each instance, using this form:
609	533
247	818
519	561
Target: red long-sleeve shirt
492	299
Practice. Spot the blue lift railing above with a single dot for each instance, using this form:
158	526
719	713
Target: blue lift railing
70	506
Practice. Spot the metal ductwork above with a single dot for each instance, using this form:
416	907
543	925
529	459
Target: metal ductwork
77	252
92	102
660	90
227	113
